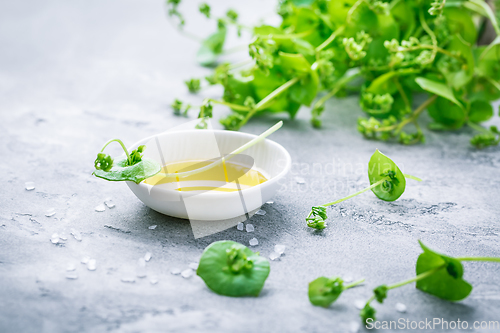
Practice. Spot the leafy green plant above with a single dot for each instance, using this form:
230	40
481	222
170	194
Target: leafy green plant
193	85
324	291
387	182
436	274
389	51
133	167
231	269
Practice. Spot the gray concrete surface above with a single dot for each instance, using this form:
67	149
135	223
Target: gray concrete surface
76	73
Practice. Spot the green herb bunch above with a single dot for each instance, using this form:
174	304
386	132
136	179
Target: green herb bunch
389	52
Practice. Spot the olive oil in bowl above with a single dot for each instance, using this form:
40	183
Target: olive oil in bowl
227	176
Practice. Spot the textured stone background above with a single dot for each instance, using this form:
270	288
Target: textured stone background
76	73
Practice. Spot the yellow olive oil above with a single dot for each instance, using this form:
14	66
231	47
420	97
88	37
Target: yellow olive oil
227	176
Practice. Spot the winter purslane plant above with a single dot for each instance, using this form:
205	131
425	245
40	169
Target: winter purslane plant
387	51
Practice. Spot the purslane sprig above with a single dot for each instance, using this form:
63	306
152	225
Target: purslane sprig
400	49
131	168
387	182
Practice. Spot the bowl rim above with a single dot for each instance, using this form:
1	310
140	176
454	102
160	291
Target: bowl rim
270	181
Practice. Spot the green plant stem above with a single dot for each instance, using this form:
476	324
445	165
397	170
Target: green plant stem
432	47
416	278
230	155
484	9
353	9
338	85
355	194
402	93
490	259
354	284
412	177
493	82
477	127
121	144
413	117
330	39
430	33
262	104
289	36
231	105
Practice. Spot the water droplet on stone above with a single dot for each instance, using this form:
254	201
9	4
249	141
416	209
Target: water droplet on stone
250	228
300	180
91	265
354	327
77	235
109	203
253	242
270	202
71	276
70	267
240	226
152	227
175	271
193	265
100	208
153	279
187	273
359	304
30	186
54	238
50	212
128	279
279	248
148	256
85	260
274	255
260	212
400	307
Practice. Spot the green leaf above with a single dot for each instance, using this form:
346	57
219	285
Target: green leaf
456	72
383	84
446	283
231	269
382	167
447	114
480	111
460	21
306	89
135	173
324	291
211	47
437	88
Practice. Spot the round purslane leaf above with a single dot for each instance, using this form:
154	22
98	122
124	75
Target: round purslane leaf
382	167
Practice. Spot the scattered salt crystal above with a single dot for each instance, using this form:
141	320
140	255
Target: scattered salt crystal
175	271
30	186
148	256
300	180
54	239
400	307
348	279
77	235
109	203
359	304
260	212
62	237
128	279
279	248
253	242
152	227
153	279
71	276
85	260
274	256
193	265
270	202
50	212
187	273
354	327
91	265
250	228
70	267
240	226
141	272
100	208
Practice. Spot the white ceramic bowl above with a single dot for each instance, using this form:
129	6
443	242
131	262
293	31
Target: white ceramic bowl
269	157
